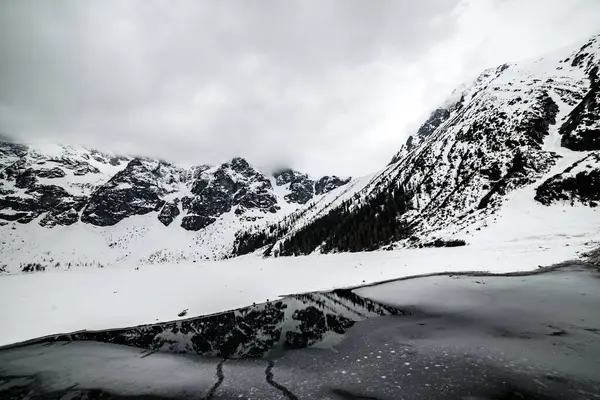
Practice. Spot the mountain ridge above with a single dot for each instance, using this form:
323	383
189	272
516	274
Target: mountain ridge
521	137
62	186
505	132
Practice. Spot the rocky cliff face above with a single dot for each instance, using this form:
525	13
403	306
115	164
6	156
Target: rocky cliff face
133	191
302	189
328	183
32	186
235	184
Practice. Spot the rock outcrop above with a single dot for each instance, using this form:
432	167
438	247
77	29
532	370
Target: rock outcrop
579	183
132	191
328	183
169	212
217	191
301	187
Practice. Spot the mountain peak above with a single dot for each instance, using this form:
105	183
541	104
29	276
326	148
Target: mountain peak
239	161
288	175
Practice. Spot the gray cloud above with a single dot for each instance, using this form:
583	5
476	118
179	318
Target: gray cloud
323	86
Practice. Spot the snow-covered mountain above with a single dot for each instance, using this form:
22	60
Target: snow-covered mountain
518	147
62	206
515	151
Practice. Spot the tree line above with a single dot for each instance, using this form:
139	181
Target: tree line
353	226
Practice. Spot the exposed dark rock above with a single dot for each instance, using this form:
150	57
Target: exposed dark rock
301	186
584	58
9	148
5	190
240	165
186	202
493	172
64	212
233	184
57	217
575	184
77	166
26	179
28	218
51	173
114	160
581	131
132	191
13	170
33	267
50	199
254	190
169	212
199	185
328	183
285	176
537	120
212	202
48	196
300	192
198	170
18	203
86	169
515	175
445	243
263	200
437	118
15	216
196	222
117	160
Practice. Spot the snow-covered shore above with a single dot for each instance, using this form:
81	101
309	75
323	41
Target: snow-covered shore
53	302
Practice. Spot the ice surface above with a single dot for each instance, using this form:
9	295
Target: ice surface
55	302
485	338
119	369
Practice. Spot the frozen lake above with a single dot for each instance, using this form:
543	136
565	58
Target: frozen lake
439	337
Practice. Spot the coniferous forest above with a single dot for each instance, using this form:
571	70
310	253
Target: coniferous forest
365	227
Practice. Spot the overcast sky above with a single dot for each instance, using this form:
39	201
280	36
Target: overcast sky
324	86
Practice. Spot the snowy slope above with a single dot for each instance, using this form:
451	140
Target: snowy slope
465	171
478	161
